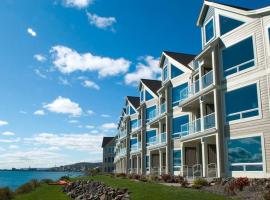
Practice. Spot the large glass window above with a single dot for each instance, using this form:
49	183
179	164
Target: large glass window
176	98
134	124
177	160
209	30
150	136
175	71
242	103
165	73
245	154
133	142
131	110
179	126
148	96
238	57
150	113
228	24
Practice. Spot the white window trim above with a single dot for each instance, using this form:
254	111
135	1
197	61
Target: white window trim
247	173
267	41
242	71
248	118
214	31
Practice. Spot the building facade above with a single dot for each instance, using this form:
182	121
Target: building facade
108	145
209	116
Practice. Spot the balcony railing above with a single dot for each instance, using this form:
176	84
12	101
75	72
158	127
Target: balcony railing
157	113
196	126
136	126
157	140
136	147
122	134
194	88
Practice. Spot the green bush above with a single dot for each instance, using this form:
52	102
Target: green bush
6	194
152	178
199	183
28	187
64	178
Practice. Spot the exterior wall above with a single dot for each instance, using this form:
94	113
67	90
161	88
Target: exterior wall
108	158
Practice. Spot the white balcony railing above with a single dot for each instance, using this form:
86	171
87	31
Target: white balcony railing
157	140
197	86
198	125
136	147
122	152
157	113
136	126
122	134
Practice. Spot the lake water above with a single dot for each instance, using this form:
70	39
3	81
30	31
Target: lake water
14	179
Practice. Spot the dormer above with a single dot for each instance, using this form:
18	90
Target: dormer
218	20
148	89
174	64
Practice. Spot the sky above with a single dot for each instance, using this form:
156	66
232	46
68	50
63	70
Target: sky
66	66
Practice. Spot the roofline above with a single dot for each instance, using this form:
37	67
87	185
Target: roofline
164	54
251	13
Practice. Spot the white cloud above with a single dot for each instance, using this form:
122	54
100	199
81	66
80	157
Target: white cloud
108	126
89	126
94	131
90	84
10	140
39	112
77	3
105	115
31	32
63	81
13	146
80	142
73	121
23	112
90	112
3	123
40	74
101	22
148	69
40	57
67	60
8	133
64	106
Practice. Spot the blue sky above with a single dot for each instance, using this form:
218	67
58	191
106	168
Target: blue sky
66	65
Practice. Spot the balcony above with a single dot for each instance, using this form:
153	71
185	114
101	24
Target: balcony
136	127
122	134
121	153
196	87
197	126
136	147
157	113
157	140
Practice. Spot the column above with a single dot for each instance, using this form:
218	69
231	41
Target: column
202	113
131	164
168	146
204	154
137	164
182	159
150	163
160	162
218	156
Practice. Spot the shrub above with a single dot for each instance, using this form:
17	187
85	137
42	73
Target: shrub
181	180
6	194
143	178
136	176
241	182
152	178
28	187
121	175
200	181
34	183
64	178
166	177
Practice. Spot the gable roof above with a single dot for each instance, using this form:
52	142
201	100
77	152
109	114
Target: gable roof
231	8
182	58
153	85
135	101
106	140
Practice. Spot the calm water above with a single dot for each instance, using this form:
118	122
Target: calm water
14	179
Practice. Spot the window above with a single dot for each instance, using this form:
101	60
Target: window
150	136
133	142
176	98
131	110
233	61
209	31
245	154
142	95
242	103
175	71
228	24
150	113
179	126
177	160
134	124
148	96
165	73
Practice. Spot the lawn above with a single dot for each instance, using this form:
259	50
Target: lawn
44	192
139	191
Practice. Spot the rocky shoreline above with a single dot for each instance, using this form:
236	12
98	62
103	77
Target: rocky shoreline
92	190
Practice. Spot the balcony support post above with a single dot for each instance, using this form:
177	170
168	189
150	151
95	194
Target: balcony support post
202	112
160	162
131	164
137	164
204	156
150	163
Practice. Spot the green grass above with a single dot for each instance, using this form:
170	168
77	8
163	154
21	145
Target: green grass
139	191
44	192
147	191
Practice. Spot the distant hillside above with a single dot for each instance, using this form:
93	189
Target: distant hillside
78	167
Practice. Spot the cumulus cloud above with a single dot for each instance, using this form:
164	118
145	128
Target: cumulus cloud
101	22
105	115
31	32
108	126
8	133
39	112
67	60
64	106
10	140
73	121
40	57
77	3
90	84
146	69
3	123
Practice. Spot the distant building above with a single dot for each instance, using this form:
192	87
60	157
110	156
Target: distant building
108	145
